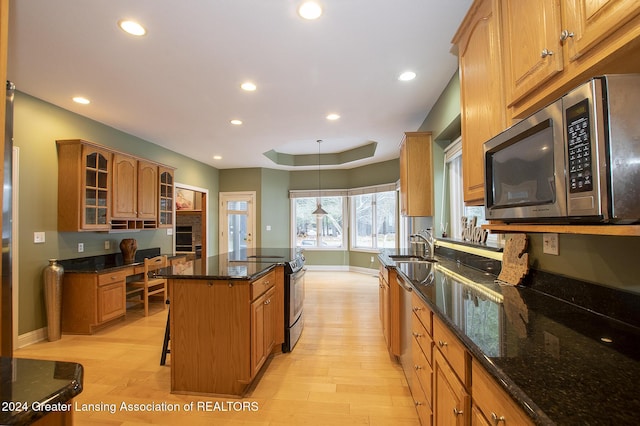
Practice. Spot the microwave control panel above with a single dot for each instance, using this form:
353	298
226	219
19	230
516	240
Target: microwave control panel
579	145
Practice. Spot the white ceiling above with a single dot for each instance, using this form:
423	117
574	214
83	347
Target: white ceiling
178	86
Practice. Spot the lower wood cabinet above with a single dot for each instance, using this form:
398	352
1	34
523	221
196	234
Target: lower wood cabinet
452	403
262	328
447	385
389	305
91	301
491	402
222	331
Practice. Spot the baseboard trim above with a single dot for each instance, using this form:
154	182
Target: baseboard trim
32	337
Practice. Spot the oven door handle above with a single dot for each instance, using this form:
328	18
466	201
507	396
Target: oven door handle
299	274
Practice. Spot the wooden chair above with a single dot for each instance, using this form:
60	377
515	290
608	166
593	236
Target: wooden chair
149	286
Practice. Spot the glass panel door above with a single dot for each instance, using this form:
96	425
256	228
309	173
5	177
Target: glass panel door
237	227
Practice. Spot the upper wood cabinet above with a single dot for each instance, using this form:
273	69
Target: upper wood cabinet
532	44
124	200
135	189
147	190
101	189
416	175
551	46
588	22
84	185
483	110
166	197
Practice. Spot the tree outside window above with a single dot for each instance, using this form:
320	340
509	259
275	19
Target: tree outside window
319	232
374	220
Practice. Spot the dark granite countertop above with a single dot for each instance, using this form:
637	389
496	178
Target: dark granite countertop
240	265
105	263
31	388
562	363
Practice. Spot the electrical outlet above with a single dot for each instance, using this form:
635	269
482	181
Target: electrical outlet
550	244
38	237
169	231
80	247
371	259
107	245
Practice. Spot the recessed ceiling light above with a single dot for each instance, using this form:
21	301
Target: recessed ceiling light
310	10
333	117
132	27
407	76
248	86
217	157
236	122
81	100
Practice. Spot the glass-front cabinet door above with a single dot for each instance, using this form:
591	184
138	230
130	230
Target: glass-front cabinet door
95	200
165	213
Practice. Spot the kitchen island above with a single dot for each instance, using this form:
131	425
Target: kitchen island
556	362
226	318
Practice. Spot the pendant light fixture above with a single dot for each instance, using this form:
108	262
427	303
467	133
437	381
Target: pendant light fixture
319	211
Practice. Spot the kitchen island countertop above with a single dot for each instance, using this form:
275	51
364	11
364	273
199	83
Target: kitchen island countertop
563	364
239	265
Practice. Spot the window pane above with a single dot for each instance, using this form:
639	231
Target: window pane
325	231
386	220
362	206
331	224
305	222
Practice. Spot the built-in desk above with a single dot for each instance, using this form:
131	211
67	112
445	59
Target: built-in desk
94	290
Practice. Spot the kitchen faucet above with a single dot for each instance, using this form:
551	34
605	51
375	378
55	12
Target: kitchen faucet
426	235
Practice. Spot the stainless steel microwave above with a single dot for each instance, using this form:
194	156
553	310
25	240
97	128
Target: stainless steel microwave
576	160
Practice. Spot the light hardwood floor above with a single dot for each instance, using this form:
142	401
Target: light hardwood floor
339	373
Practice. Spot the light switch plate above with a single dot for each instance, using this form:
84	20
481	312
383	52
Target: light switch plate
550	244
38	237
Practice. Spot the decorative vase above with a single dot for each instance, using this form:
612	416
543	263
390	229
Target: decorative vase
53	298
128	247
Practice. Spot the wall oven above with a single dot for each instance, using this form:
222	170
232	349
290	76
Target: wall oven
576	160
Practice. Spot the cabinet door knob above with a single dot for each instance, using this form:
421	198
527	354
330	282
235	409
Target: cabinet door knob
497	419
416	335
564	35
417	367
545	53
417	308
418	403
457	412
442	344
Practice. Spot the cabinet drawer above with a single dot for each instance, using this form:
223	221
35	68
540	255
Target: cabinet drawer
422	405
493	402
262	284
423	370
452	349
422	311
422	338
113	277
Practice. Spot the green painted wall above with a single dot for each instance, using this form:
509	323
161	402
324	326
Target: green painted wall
275	209
37	125
443	121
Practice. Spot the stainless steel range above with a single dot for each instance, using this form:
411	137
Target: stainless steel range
293	301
